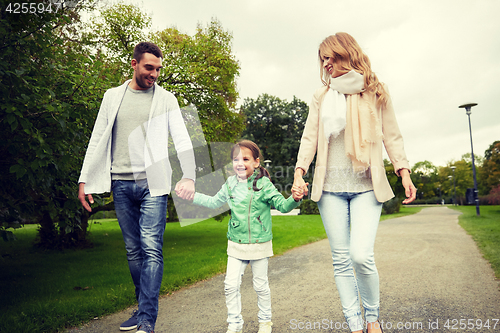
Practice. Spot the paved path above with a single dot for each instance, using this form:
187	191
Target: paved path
431	273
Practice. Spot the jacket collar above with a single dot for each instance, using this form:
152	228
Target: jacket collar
249	179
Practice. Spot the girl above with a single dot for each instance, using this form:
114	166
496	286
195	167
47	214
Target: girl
349	118
250	195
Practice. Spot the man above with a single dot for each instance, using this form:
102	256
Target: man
128	154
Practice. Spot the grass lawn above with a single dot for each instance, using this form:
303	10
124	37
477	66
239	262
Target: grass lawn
45	291
485	230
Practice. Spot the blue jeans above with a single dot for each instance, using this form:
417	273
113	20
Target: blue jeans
142	219
232	283
351	222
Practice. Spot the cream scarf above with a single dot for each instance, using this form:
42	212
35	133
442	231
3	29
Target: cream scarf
358	118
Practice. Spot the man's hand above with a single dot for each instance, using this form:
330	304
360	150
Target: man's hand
185	189
81	197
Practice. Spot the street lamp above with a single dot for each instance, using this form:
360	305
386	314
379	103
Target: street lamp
454	188
467	108
450	178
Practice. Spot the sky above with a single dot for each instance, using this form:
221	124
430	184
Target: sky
434	55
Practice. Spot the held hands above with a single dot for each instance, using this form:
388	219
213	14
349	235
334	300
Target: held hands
299	188
185	189
410	189
299	192
81	197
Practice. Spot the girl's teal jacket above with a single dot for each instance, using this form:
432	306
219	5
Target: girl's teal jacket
250	210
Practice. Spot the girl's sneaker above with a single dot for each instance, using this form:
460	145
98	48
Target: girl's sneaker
265	327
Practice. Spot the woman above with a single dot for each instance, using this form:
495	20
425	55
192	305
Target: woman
349	118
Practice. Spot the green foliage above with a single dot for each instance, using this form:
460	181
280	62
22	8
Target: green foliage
391	206
308	207
201	70
490	173
425	177
276	126
54	70
47	92
456	181
394	180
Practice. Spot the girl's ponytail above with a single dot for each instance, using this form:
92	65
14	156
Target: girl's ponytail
262	173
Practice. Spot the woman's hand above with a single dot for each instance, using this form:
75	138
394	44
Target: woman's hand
410	189
299	188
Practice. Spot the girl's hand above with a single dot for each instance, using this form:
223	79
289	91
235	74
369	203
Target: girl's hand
410	189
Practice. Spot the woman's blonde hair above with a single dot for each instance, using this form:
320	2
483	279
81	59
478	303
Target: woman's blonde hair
347	55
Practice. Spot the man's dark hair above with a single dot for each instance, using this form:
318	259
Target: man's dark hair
146	47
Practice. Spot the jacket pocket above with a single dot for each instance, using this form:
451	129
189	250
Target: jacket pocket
234	223
262	224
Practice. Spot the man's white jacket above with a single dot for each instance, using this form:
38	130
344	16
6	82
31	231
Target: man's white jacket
148	144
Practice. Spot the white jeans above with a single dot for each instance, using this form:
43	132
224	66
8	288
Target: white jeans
232	283
351	222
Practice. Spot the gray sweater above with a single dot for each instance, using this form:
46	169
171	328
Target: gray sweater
133	112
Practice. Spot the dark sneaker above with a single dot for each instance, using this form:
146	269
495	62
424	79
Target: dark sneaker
130	324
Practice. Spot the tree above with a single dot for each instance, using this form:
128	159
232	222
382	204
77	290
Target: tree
54	71
276	126
394	180
425	177
463	178
201	70
47	91
490	173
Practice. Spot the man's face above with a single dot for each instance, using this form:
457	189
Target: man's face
146	71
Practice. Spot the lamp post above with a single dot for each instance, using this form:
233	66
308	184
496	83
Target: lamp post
454	187
467	108
268	163
450	178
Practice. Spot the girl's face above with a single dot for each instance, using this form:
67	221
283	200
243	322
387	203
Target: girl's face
244	164
330	67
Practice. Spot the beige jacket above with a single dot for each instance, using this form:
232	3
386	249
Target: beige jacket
314	142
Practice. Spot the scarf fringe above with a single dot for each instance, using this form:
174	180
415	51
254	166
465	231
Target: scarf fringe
363	128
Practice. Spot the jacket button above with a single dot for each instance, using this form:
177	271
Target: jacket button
239	240
257	241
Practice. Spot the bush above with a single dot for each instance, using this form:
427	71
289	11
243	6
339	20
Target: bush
493	198
308	207
392	206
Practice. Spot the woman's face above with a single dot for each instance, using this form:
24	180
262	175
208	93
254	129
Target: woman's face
330	67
